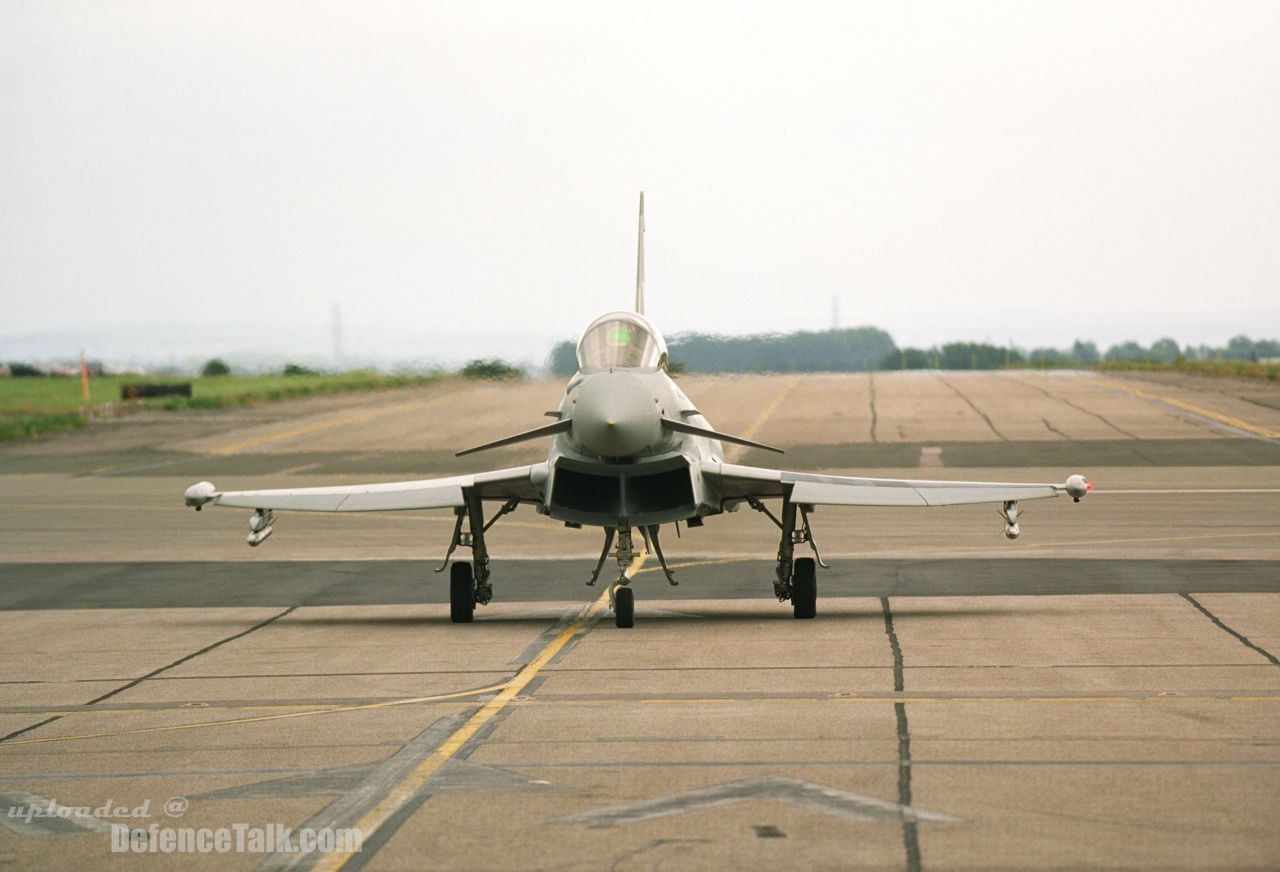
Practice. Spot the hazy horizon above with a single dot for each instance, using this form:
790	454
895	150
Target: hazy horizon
258	347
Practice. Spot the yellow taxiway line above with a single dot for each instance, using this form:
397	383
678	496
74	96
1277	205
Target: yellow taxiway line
750	432
1198	410
408	787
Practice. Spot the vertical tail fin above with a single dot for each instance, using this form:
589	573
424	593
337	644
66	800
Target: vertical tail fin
640	261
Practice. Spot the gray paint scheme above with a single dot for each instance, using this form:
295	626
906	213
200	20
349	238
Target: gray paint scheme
630	440
629	448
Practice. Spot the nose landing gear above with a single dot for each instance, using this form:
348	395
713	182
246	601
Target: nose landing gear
622	598
624	608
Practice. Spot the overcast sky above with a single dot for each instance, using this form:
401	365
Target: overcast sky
1024	171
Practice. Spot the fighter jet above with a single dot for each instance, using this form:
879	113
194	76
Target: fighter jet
629	453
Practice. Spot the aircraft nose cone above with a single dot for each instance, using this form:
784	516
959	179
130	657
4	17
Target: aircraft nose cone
615	416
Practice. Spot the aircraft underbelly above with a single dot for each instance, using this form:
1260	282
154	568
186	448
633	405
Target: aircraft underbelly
612	495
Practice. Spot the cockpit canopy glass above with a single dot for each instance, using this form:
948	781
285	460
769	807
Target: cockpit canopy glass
620	341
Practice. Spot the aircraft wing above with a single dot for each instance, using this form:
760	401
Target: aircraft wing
740	482
518	483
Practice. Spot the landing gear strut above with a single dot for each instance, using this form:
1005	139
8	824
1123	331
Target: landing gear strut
604	555
469	582
622	598
795	578
650	535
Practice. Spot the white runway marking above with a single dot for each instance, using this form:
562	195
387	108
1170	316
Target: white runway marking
1191	490
839	803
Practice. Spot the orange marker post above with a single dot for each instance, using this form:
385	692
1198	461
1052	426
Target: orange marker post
84	378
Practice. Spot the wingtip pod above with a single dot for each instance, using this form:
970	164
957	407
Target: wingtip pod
200	493
1077	487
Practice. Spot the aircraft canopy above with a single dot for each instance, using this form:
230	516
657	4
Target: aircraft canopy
621	339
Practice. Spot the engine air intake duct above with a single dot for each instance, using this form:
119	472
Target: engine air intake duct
636	495
659	491
583	492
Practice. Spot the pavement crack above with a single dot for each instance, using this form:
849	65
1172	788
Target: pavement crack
1272	406
1240	637
153	673
1078	408
16	733
871	384
625	858
898	679
910	833
1055	430
194	654
971	404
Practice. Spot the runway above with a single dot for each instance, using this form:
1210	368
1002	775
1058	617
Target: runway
1102	693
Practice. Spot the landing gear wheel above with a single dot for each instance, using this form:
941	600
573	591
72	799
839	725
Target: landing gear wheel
804	588
624	608
462	593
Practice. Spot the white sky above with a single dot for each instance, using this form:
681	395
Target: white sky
1025	171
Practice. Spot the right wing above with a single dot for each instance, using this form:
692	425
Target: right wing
741	482
519	483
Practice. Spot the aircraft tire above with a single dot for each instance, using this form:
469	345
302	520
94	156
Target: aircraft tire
462	594
804	588
624	608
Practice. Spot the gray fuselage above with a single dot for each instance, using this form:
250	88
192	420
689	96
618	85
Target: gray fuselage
620	464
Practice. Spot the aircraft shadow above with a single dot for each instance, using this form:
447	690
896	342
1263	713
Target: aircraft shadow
673	616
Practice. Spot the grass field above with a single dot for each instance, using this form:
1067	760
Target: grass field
1220	368
31	406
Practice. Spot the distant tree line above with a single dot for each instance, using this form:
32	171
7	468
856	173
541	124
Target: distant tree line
869	348
491	368
972	355
954	355
1164	350
24	370
851	349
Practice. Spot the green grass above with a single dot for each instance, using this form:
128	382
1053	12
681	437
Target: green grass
1218	368
32	406
24	426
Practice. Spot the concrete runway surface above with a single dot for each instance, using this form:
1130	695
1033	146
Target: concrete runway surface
1102	693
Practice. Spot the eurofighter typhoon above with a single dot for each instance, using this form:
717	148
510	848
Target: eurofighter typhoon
629	453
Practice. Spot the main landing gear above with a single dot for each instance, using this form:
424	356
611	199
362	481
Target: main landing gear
469	586
469	582
622	599
796	578
462	593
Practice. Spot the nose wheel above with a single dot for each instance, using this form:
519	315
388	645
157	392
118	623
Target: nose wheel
624	608
622	599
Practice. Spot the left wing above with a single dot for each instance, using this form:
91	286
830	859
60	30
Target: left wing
519	483
741	482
